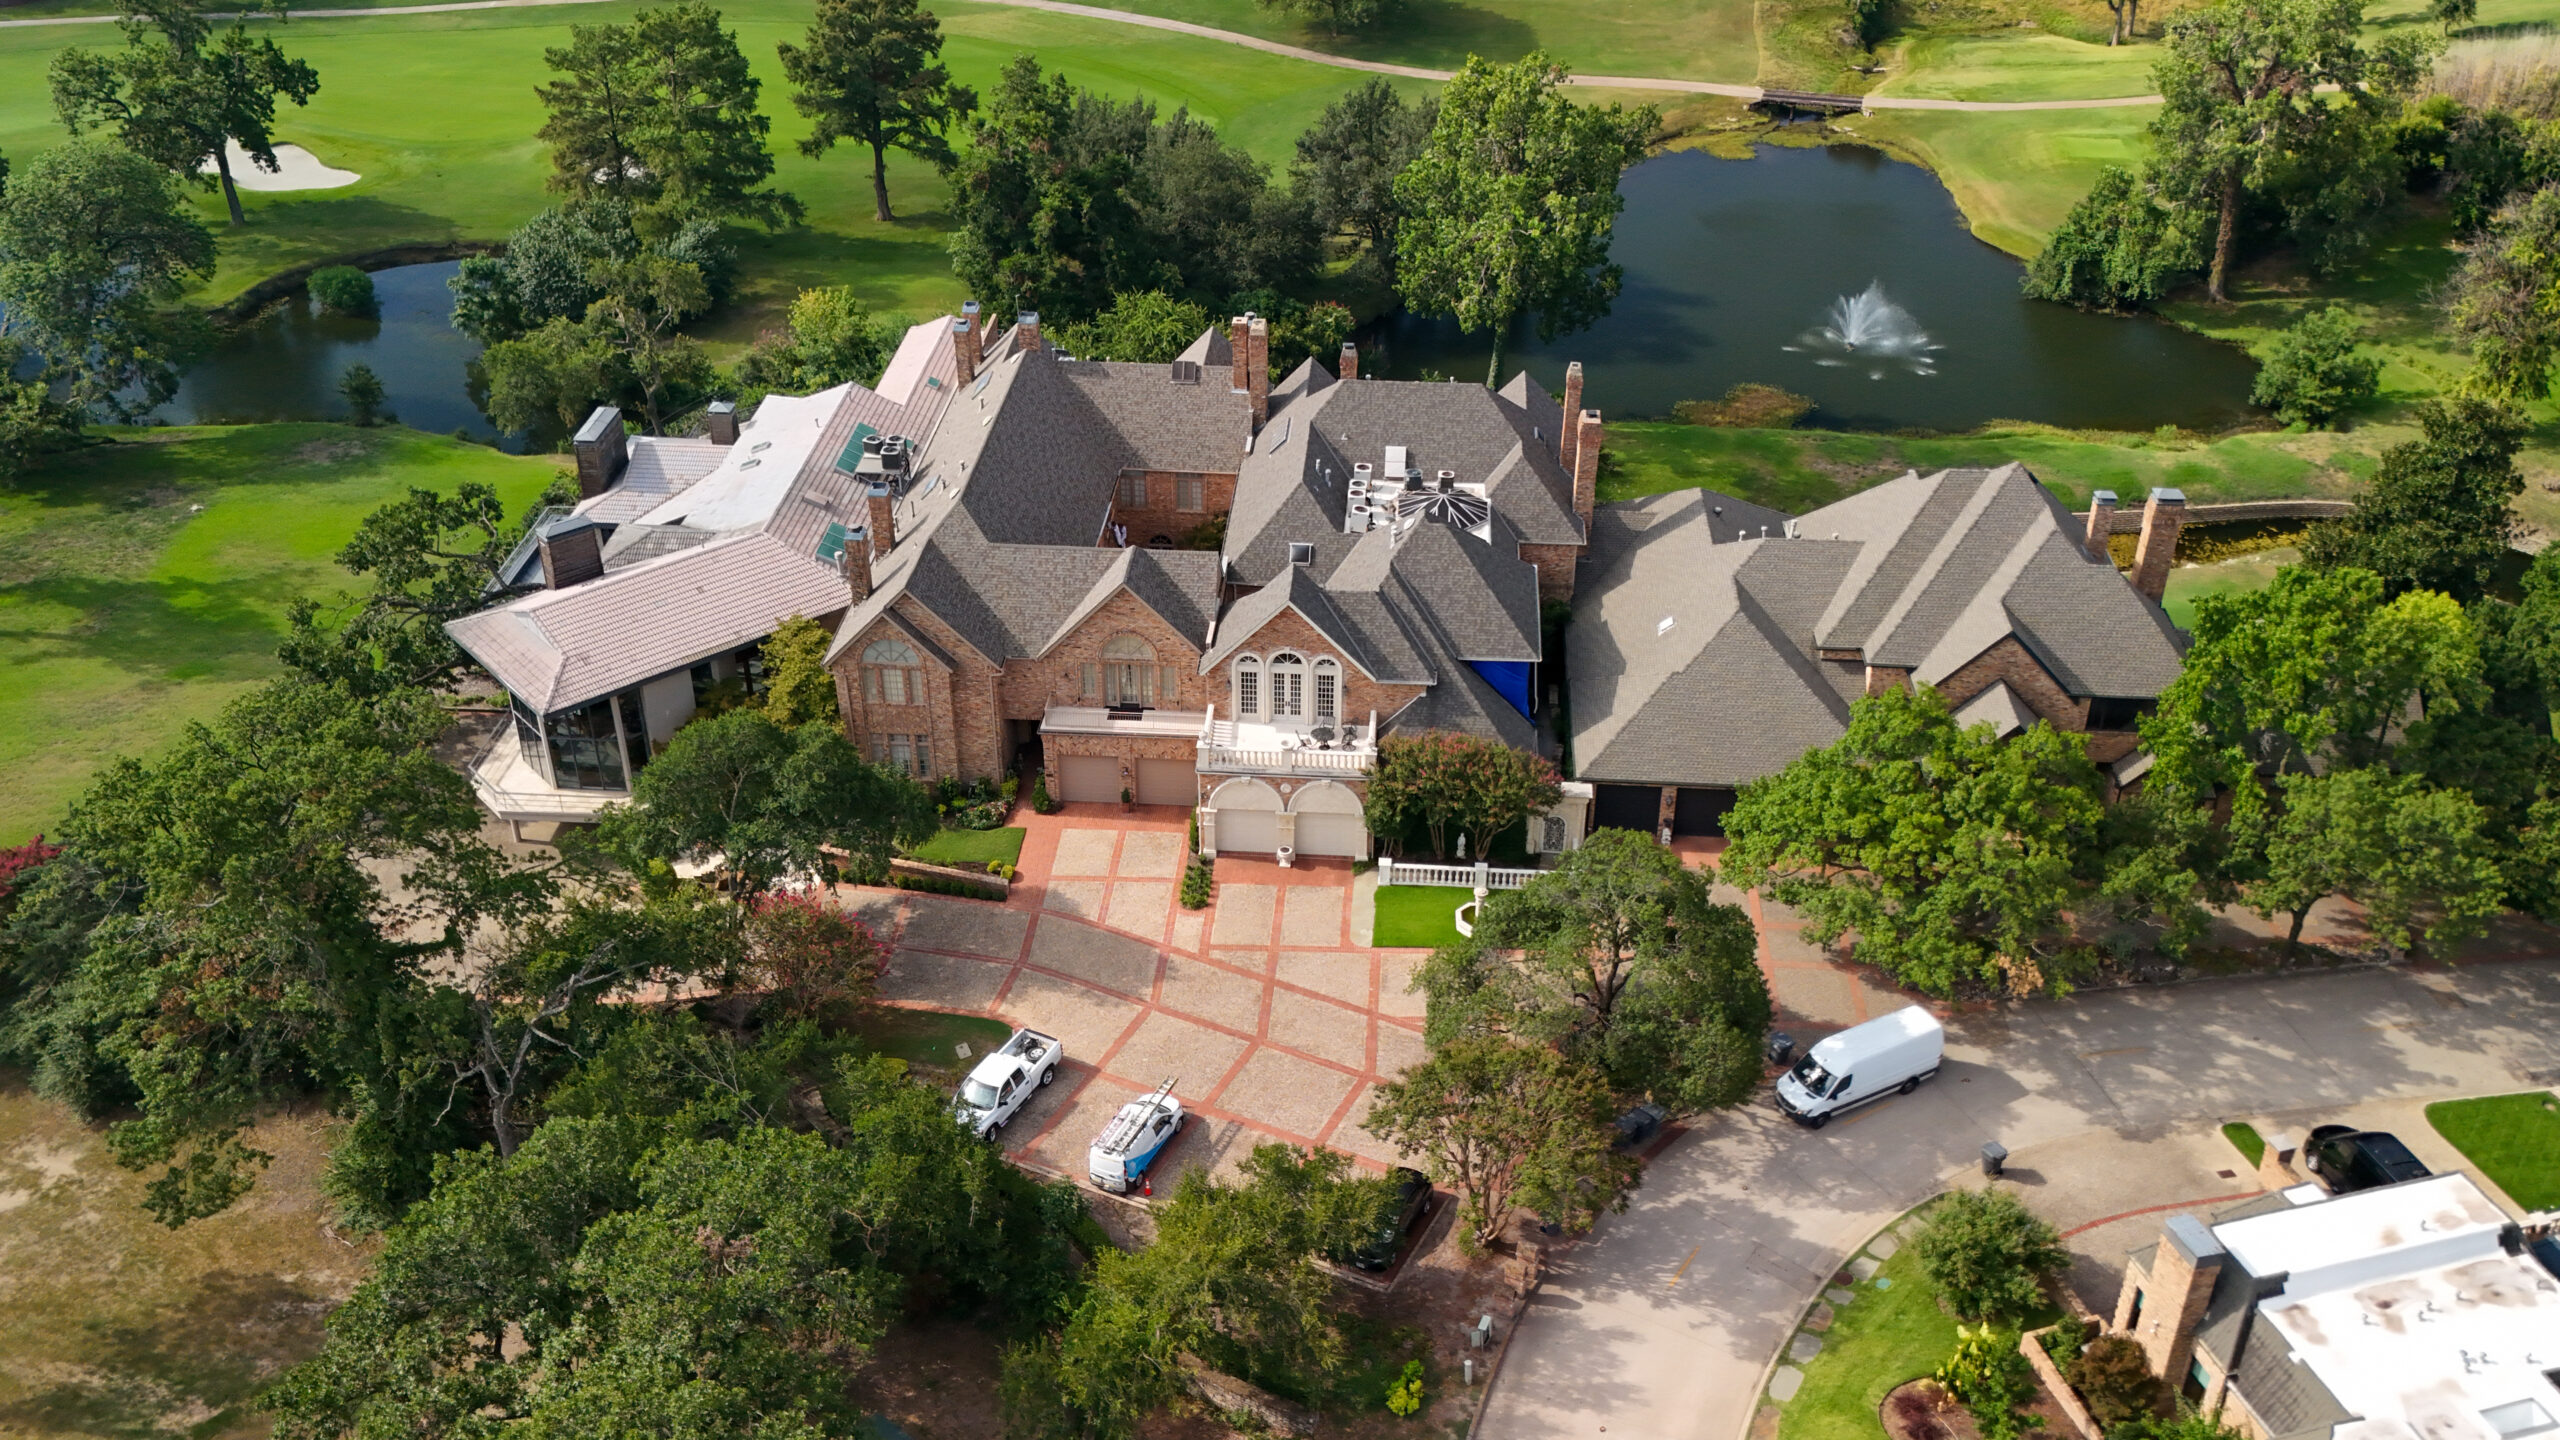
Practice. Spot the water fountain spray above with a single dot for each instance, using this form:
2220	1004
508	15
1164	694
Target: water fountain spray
1868	330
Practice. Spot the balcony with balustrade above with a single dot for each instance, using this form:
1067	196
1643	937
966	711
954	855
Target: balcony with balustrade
1252	747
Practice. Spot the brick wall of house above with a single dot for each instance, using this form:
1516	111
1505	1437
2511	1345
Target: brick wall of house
1555	568
959	709
1162	516
1289	631
2008	660
1030	687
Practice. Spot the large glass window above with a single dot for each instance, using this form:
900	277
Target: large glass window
891	674
635	730
1328	692
1248	688
1128	671
528	734
586	749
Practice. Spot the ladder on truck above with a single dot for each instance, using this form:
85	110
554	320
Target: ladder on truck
1121	1135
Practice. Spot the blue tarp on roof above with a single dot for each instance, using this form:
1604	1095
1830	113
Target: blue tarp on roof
1509	678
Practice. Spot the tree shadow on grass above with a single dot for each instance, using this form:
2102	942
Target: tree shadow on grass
157	630
205	1359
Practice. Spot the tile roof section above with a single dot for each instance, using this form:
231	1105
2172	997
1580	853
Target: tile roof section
558	648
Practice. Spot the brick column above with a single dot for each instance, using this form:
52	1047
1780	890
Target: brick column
2163	516
1565	416
1349	369
1586	468
2102	523
2183	1269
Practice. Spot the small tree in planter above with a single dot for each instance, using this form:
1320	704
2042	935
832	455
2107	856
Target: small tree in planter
2115	1381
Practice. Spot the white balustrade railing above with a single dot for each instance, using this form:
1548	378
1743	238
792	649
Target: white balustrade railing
1397	872
1222	748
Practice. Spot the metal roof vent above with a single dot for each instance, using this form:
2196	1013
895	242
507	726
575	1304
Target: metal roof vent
1665	627
1186	372
1302	552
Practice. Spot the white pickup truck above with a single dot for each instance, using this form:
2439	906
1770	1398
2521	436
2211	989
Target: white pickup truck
1005	1079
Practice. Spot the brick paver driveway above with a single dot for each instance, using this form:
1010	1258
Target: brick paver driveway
1273	1023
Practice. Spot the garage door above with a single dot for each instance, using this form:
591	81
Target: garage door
1249	832
1089	778
1330	835
1701	812
1627	807
1167	782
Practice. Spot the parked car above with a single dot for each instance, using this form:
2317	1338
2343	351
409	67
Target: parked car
1001	1082
1888	1055
1117	1160
2350	1159
1413	1201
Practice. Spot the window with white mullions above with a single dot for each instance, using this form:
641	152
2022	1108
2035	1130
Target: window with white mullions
1288	687
890	674
1248	688
1328	693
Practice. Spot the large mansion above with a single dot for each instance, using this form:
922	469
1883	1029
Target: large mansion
1192	584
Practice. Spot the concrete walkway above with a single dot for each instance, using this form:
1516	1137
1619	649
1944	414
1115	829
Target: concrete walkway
1663	1323
1250	42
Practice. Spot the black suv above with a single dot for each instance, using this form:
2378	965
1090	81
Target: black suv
2351	1159
1413	1201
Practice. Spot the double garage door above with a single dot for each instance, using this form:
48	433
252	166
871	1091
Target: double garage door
1257	832
1095	780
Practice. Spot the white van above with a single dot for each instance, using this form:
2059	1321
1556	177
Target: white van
1885	1056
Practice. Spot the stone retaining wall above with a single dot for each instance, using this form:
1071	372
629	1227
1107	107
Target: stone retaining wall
2065	1399
995	887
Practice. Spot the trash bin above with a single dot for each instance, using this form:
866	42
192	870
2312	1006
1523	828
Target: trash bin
1782	1047
1994	1156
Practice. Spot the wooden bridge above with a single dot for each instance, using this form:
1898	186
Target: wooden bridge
1812	100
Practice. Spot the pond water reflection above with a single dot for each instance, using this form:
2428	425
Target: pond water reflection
1848	277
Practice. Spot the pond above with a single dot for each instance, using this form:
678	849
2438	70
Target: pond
285	364
1847	277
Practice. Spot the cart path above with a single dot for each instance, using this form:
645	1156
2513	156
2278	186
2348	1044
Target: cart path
1250	42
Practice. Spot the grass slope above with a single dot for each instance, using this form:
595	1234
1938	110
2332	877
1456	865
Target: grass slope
438	113
120	1328
144	584
2514	1139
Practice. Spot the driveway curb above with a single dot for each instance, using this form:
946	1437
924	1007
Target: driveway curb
1760	1390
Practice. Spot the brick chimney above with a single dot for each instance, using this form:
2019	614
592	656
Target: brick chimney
1565	416
2102	523
978	336
601	451
1240	352
1258	369
1349	369
964	346
720	422
2163	516
1586	467
2160	1310
572	552
883	515
856	561
1028	323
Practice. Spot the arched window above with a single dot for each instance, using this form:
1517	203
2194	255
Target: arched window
1128	671
1248	688
1328	677
1288	688
890	674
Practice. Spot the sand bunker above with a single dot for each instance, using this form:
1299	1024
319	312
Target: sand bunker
297	169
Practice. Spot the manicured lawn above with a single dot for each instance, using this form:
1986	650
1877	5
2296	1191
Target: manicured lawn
438	113
2191	583
2244	1137
1798	470
2514	1139
1891	1333
971	847
144	584
929	1037
122	1329
1420	916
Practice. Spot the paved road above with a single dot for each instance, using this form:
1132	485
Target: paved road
1250	42
1661	1324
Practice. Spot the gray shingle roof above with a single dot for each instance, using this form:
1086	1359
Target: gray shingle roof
1924	572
